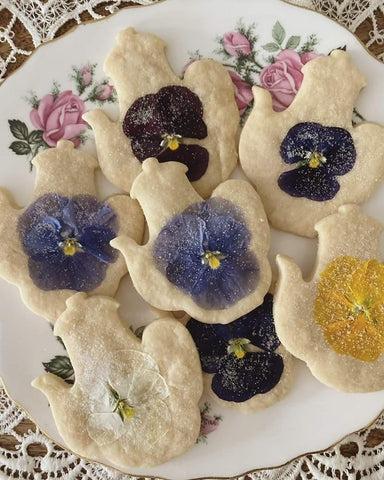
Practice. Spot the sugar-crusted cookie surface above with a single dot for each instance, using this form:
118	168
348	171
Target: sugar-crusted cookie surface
59	244
206	258
334	321
309	159
133	402
245	366
193	121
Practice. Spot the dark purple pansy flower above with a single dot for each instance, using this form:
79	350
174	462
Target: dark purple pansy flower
67	241
158	123
204	252
240	370
320	154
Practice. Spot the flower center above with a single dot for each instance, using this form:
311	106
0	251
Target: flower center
126	411
316	159
70	246
213	259
171	141
238	346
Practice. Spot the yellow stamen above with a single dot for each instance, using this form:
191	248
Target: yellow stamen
239	351
173	144
127	411
69	246
316	159
213	259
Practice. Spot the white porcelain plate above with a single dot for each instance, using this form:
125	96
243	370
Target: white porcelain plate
312	416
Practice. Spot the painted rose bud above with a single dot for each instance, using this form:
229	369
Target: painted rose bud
207	258
309	159
164	117
60	243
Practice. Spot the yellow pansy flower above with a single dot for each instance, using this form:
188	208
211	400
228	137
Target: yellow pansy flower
350	307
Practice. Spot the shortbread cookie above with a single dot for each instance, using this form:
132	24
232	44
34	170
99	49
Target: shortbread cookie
59	244
207	258
246	367
335	321
193	121
134	402
309	159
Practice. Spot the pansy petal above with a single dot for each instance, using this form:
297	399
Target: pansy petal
183	234
226	235
95	241
301	138
105	428
146	146
312	183
69	216
195	157
41	242
181	112
143	118
236	278
239	379
210	344
80	272
258	326
356	337
147	386
148	425
46	205
86	212
186	271
339	150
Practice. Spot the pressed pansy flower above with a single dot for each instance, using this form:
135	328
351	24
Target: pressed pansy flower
67	241
350	307
204	252
319	154
129	407
241	355
157	125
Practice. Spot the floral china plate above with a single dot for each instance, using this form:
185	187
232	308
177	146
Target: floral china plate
264	42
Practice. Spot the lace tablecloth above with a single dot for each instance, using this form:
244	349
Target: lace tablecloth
27	453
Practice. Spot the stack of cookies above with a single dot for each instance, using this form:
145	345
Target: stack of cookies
135	401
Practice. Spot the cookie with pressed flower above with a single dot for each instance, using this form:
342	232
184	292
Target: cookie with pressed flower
310	159
193	121
134	402
335	320
246	368
207	258
59	243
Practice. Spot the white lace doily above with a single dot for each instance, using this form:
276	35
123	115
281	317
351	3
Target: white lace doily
359	456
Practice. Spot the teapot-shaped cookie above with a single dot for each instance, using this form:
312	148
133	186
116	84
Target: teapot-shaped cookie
335	320
309	159
207	258
193	121
59	244
133	402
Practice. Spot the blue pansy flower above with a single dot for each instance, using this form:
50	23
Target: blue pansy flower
204	252
67	241
320	154
241	355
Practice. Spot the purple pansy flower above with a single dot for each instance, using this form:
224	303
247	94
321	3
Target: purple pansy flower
158	123
204	252
240	370
67	241
320	154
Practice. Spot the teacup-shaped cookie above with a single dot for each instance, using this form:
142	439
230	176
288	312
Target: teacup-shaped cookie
133	402
193	121
207	258
59	244
246	367
309	159
335	321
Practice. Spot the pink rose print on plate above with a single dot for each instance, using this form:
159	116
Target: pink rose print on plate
85	76
284	77
243	91
209	424
60	118
236	44
103	92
